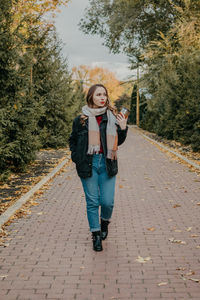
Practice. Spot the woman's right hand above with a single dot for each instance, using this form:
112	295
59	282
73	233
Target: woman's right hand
121	120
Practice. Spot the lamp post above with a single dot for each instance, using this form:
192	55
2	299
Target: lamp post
138	100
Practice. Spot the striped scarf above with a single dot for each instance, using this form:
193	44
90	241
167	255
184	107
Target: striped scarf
94	134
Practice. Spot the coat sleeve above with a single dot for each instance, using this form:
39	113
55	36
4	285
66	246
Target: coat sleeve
73	139
122	134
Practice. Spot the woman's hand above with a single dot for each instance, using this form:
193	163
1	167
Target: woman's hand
122	121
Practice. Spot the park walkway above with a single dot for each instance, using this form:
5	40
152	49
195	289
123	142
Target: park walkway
153	247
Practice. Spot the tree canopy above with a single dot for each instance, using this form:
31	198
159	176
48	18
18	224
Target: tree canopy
129	25
164	38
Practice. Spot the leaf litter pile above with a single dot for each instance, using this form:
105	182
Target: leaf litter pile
19	184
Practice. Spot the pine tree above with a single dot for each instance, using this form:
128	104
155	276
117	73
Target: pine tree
172	79
132	117
60	97
18	143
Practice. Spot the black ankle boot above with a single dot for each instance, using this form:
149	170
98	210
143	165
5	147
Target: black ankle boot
104	229
97	245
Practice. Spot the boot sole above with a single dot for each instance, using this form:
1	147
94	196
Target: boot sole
98	250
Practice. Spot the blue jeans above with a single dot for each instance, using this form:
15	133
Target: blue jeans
99	192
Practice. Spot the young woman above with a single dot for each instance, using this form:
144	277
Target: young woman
93	144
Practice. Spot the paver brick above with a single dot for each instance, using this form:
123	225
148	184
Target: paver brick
50	253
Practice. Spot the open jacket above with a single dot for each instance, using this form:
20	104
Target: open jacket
78	142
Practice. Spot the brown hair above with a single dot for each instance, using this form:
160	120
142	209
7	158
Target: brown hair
90	94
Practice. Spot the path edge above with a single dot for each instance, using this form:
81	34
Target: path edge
21	201
169	150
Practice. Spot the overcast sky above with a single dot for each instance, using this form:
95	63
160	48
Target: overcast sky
82	49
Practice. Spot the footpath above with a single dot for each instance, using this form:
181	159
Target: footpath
153	247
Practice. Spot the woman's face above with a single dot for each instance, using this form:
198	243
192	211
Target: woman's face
99	97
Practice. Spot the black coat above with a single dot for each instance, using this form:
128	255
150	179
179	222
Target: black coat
78	142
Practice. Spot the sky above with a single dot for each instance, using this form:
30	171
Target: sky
82	49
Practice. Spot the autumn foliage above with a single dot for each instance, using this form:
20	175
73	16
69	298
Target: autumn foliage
90	76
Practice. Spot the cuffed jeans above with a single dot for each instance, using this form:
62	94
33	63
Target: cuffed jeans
99	192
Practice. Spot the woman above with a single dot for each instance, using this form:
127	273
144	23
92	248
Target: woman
93	144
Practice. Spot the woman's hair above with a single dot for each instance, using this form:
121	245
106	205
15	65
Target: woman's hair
90	95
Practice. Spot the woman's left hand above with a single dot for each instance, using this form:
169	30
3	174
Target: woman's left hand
122	121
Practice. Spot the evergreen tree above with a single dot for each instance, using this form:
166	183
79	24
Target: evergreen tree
122	101
18	143
172	78
60	97
38	99
132	117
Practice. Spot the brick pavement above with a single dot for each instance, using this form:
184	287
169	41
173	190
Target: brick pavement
50	254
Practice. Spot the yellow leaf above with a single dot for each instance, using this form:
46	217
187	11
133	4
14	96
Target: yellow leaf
190	273
3	276
173	240
180	269
162	283
195	279
141	259
189	229
176	205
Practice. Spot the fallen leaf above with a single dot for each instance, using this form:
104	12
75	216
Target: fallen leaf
177	230
34	203
141	259
180	269
190	273
162	283
151	229
194	235
3	276
198	203
173	240
4	244
198	247
40	192
40	213
194	279
189	229
120	186
176	205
